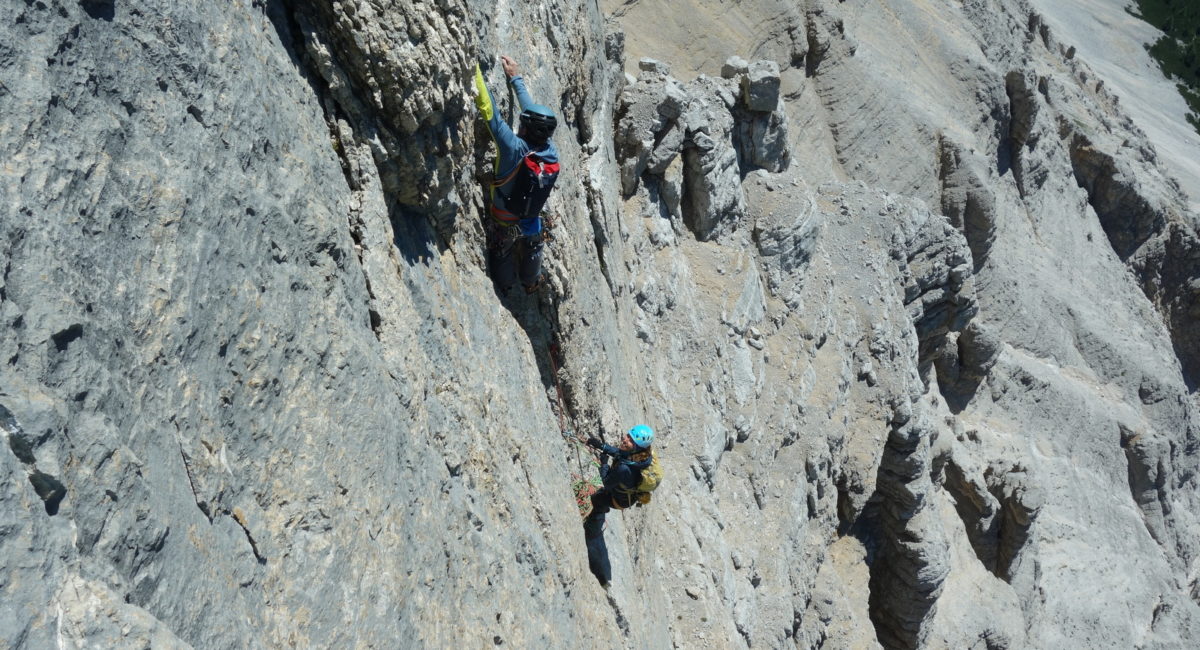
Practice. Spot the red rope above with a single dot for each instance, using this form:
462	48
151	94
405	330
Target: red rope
551	351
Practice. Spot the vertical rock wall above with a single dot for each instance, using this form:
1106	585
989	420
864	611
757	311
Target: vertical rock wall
904	294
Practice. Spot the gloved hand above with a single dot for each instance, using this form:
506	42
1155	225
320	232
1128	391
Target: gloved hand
483	100
594	442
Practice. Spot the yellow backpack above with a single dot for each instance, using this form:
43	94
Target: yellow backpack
652	475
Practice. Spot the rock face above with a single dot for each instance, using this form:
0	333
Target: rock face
914	321
721	129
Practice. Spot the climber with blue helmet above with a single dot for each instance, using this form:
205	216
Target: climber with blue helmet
525	171
633	474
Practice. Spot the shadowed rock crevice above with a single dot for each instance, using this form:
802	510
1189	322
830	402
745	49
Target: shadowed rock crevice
1169	269
1159	245
48	487
100	9
63	339
21	446
201	503
237	515
1020	505
967	199
1127	217
997	511
977	508
963	364
910	567
1025	101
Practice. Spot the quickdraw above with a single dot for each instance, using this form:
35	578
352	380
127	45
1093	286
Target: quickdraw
549	221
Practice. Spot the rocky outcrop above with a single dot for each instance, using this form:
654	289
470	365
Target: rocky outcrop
361	55
649	134
909	573
966	198
900	309
1169	268
720	130
761	123
261	429
712	197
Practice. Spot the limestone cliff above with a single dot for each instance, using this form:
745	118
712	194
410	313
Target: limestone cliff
907	295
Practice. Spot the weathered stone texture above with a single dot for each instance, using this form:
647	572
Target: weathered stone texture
914	319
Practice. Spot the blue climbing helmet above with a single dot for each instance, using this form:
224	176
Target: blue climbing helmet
538	123
642	436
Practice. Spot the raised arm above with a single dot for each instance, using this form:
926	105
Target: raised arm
508	141
513	71
598	445
518	84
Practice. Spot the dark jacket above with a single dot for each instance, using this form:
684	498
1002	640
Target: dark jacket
623	477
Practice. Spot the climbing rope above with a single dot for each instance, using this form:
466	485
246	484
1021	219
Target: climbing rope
551	352
583	486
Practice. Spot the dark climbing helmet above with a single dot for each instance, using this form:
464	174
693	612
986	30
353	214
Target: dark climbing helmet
642	436
538	123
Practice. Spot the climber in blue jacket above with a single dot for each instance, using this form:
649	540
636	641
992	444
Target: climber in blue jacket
525	170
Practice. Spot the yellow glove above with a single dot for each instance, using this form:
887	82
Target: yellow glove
483	99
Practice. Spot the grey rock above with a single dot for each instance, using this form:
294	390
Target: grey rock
714	200
648	136
633	165
654	67
674	101
672	188
665	151
760	86
734	67
967	199
199	441
910	576
763	141
786	240
257	385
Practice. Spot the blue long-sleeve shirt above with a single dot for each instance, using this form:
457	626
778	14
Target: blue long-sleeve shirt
512	149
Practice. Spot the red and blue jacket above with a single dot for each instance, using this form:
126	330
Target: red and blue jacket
512	151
